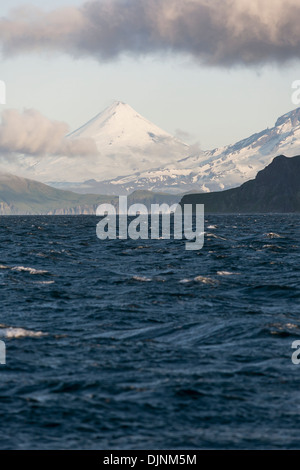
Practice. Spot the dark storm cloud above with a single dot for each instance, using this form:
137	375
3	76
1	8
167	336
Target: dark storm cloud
214	32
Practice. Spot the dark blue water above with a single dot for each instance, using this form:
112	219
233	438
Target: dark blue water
144	345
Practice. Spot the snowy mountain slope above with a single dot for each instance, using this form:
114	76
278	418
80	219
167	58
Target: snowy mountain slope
215	170
135	154
126	142
121	130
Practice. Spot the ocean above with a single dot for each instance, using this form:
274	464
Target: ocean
124	344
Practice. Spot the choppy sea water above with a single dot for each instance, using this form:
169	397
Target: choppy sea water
144	345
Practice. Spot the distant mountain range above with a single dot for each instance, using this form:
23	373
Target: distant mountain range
127	142
22	196
219	169
275	189
134	154
214	170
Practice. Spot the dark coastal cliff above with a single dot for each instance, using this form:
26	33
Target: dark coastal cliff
275	189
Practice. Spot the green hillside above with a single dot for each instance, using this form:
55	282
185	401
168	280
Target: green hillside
24	196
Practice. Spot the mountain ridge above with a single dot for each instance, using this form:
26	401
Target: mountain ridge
276	188
22	196
205	171
221	168
135	154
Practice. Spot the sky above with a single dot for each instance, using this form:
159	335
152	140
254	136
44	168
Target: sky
209	72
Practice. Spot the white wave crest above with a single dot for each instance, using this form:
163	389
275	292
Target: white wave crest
227	273
272	235
29	270
141	279
204	280
10	332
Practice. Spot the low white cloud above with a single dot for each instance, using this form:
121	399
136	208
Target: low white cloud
31	133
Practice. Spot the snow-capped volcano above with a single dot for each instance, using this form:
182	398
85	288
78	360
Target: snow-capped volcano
135	154
120	130
221	168
127	143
